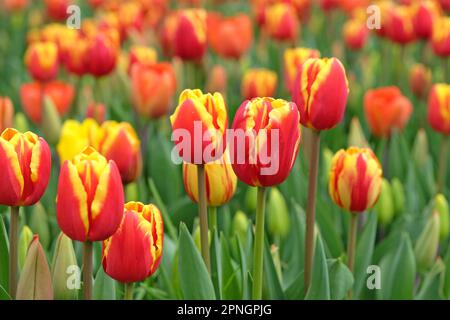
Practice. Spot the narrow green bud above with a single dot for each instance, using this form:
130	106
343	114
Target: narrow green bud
51	122
132	191
250	199
21	122
398	193
278	219
26	235
427	244
385	204
441	206
39	224
420	149
240	225
356	136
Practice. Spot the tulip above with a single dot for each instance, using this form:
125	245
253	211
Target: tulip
439	120
153	88
75	57
445	4
217	81
130	16
266	125
57	9
41	59
386	110
399	26
222	35
258	83
355	33
440	39
134	252
328	5
355	185
426	12
6	113
385	206
281	22
427	244
441	207
420	78
190	34
141	55
96	111
167	33
293	60
89	203
15	5
101	53
32	98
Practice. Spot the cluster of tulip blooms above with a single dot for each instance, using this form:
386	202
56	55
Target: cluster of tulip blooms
99	157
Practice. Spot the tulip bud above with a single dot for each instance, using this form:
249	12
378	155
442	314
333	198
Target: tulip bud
41	60
258	83
356	136
35	282
321	92
420	152
51	121
189	35
25	160
420	80
355	33
64	259
100	57
385	205
281	22
427	244
355	179
438	106
21	122
89	203
240	225
425	14
441	207
96	111
441	36
39	224
6	113
293	60
398	194
278	219
250	199
217	80
57	9
399	25
26	235
141	55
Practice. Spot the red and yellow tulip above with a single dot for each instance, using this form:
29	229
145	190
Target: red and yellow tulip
25	160
101	55
6	113
441	37
41	59
281	22
293	60
439	108
258	83
426	12
420	79
190	34
57	9
399	26
355	179
89	203
141	55
355	33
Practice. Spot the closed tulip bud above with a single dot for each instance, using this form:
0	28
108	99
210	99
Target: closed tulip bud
420	152
220	181
121	144
96	111
41	60
26	235
15	5
356	136
420	79
258	83
385	205
39	224
399	25
64	259
273	132
203	117
240	225
355	33
89	203
190	34
398	194
278	219
293	60
141	55
441	207
6	113
153	88
57	9
250	199
222	35
440	39
21	122
102	52
35	282
386	109
425	13
134	252
438	106
217	80
427	244
281	22
25	160
32	98
321	92
355	179
51	121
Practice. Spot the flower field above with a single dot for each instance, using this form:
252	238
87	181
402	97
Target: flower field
224	150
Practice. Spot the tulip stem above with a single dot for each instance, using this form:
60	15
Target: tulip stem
351	245
128	291
13	253
87	270
212	218
310	209
443	152
258	252
203	215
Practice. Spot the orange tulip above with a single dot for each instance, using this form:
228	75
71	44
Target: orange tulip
41	60
293	60
386	109
439	108
281	22
6	113
258	83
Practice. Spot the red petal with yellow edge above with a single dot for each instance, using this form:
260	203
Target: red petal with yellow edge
107	206
71	204
11	178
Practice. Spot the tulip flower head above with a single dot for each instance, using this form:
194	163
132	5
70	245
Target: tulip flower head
190	34
355	179
199	126
420	78
258	83
134	252
399	26
41	59
100	57
6	113
355	33
293	60
426	12
441	37
321	92
439	108
141	55
25	160
265	142
281	22
89	203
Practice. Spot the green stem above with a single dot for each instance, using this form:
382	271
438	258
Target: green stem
87	270
259	244
128	291
212	218
203	215
311	207
13	253
352	231
443	152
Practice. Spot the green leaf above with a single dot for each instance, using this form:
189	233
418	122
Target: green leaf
320	283
167	221
216	264
104	286
429	290
244	270
341	279
231	288
295	290
4	294
194	278
445	279
4	255
271	282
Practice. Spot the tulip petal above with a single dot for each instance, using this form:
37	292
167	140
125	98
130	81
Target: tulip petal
12	182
